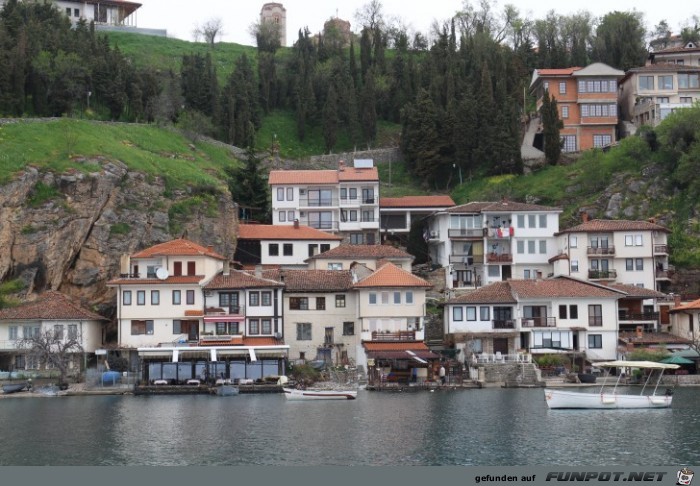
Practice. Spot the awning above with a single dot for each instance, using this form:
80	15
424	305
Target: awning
422	354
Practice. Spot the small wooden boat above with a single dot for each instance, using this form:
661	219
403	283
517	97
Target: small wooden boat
226	390
14	387
294	394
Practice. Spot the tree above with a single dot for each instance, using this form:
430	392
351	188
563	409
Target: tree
551	124
417	244
211	29
619	40
330	119
249	187
54	349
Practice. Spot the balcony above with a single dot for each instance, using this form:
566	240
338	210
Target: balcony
322	225
465	259
595	321
598	250
664	274
528	322
504	324
636	317
226	310
660	249
466	233
602	274
368	201
323	202
499	258
397	336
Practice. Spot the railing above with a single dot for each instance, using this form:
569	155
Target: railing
661	249
602	274
225	310
595	321
466	259
664	273
466	233
646	316
503	358
494	258
368	200
394	336
599	250
129	275
538	322
323	225
323	202
504	324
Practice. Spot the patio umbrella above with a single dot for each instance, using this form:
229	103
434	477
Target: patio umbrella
675	359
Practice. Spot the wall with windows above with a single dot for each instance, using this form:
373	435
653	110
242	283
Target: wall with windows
469	318
345	263
175	265
392	303
88	333
293	253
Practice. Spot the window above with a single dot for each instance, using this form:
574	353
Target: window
457	314
29	332
58	331
409	297
126	297
356	238
299	303
320	197
662	99
348	328
73	332
526	274
177	269
595	341
254	299
155	297
76	12
602	140
283	216
568	143
372	298
385	298
638	240
353	215
688	81
254	326
471	313
543	247
280	193
343	193
353	193
368	196
177	297
68	11
320	303
484	313
543	220
340	300
573	311
494	271
335	266
595	315
189	296
266	326
531	247
273	249
140	297
531	221
646	82
191	268
629	240
397	297
574	265
288	249
521	220
629	264
367	216
521	247
565	112
686	99
290	194
665	82
639	264
303	331
266	298
313	249
141	327
325	247
573	241
14	333
562	312
562	87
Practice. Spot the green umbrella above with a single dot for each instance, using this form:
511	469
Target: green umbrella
675	359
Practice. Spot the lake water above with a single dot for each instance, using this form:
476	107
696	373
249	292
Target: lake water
487	427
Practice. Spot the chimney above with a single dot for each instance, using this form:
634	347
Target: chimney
210	248
227	267
639	331
341	165
652	220
676	300
258	271
296	223
584	216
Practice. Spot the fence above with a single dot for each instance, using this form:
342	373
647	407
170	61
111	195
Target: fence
96	379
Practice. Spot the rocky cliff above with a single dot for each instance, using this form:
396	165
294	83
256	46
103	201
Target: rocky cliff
67	231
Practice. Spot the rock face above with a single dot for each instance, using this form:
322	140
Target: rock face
68	231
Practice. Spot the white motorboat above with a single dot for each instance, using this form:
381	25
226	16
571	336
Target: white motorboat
311	394
609	397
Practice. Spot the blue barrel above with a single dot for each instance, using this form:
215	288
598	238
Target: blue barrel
111	377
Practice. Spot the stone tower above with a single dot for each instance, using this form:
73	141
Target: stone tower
275	12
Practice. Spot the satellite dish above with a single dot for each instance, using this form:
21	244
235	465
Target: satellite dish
162	273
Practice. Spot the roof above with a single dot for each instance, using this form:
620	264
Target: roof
694	305
500	206
307	177
389	275
648	338
362	251
178	247
395	346
495	293
238	279
312	280
608	225
180	279
637	364
51	305
282	232
550	73
634	291
598	69
416	202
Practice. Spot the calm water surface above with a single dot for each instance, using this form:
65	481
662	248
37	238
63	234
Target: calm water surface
467	427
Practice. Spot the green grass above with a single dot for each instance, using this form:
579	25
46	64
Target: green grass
119	229
154	151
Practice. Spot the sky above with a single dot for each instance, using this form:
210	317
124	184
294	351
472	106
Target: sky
180	17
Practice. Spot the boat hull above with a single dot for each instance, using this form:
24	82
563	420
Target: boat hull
567	399
14	387
227	390
292	394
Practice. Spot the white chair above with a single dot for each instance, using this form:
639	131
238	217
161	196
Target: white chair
499	357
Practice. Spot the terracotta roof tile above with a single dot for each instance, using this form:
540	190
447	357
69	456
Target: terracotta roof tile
51	305
557	72
390	275
495	293
416	202
260	341
178	247
634	291
694	305
307	177
350	174
238	279
631	337
395	346
561	287
181	279
194	313
362	251
312	280
608	225
499	206
282	232
664	67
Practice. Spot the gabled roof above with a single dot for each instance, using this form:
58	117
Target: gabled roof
598	69
238	279
505	206
416	202
171	280
51	305
312	280
495	293
609	225
359	252
282	232
694	305
389	275
394	346
648	338
309	177
634	291
178	247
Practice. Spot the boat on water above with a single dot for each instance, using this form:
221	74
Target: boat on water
311	394
608	396
14	387
226	390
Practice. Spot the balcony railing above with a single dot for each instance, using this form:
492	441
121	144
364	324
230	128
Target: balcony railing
306	202
322	225
495	258
599	250
466	233
595	321
368	200
504	324
664	274
661	249
225	310
394	336
538	322
645	316
466	259
602	274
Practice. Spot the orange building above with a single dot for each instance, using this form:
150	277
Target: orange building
587	102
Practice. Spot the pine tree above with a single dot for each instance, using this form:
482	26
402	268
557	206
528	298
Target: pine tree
551	124
330	119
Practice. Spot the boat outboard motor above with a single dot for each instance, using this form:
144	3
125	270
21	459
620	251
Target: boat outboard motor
669	392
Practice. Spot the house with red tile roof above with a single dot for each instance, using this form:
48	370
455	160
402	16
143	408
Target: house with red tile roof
51	312
343	201
398	214
479	243
281	245
685	320
557	315
587	103
344	256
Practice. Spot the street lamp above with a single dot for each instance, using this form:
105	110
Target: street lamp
89	93
455	166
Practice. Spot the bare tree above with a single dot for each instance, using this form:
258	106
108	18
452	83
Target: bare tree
210	30
53	349
370	15
266	35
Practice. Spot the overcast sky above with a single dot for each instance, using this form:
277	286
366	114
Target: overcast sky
180	17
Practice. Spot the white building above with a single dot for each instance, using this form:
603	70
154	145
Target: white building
485	242
344	201
398	214
371	256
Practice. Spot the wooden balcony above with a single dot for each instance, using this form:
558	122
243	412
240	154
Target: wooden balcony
646	316
499	258
598	250
660	249
504	324
602	274
394	336
528	322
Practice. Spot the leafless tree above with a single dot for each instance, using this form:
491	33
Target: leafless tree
210	30
266	35
53	348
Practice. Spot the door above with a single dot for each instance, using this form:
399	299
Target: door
663	314
500	345
191	328
506	272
